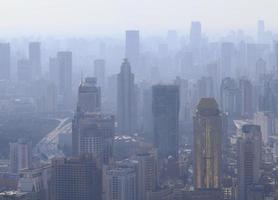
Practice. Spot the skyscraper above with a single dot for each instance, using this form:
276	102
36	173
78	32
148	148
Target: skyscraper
132	48
126	109
54	71
205	87
93	133
207	145
226	60
187	65
261	32
35	58
260	68
165	108
195	34
20	155
249	158
276	55
99	72
5	61
246	89
64	59
89	96
230	97
77	178
24	70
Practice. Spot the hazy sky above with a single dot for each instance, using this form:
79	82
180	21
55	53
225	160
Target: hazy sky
150	16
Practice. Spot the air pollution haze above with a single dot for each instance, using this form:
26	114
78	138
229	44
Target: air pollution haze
95	17
138	100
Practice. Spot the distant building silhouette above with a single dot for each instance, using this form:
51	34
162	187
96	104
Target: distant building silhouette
132	47
5	61
126	101
64	59
35	58
99	72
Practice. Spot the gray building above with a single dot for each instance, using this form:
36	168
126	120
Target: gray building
132	46
35	58
64	60
126	101
99	73
5	61
89	96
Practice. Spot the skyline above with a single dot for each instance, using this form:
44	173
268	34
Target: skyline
107	17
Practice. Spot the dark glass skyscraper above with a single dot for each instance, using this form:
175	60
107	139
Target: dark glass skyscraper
165	108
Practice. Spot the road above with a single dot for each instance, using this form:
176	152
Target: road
47	148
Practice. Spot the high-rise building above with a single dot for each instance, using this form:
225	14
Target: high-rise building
260	68
77	178
54	71
120	183
251	57
5	61
89	96
261	32
276	55
249	158
20	155
187	65
207	145
93	133
64	59
246	90
147	175
195	34
205	87
132	47
99	72
24	70
172	40
165	108
230	97
226	60
126	100
267	123
35	58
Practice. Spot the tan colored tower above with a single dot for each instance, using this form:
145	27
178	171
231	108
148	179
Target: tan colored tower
207	145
